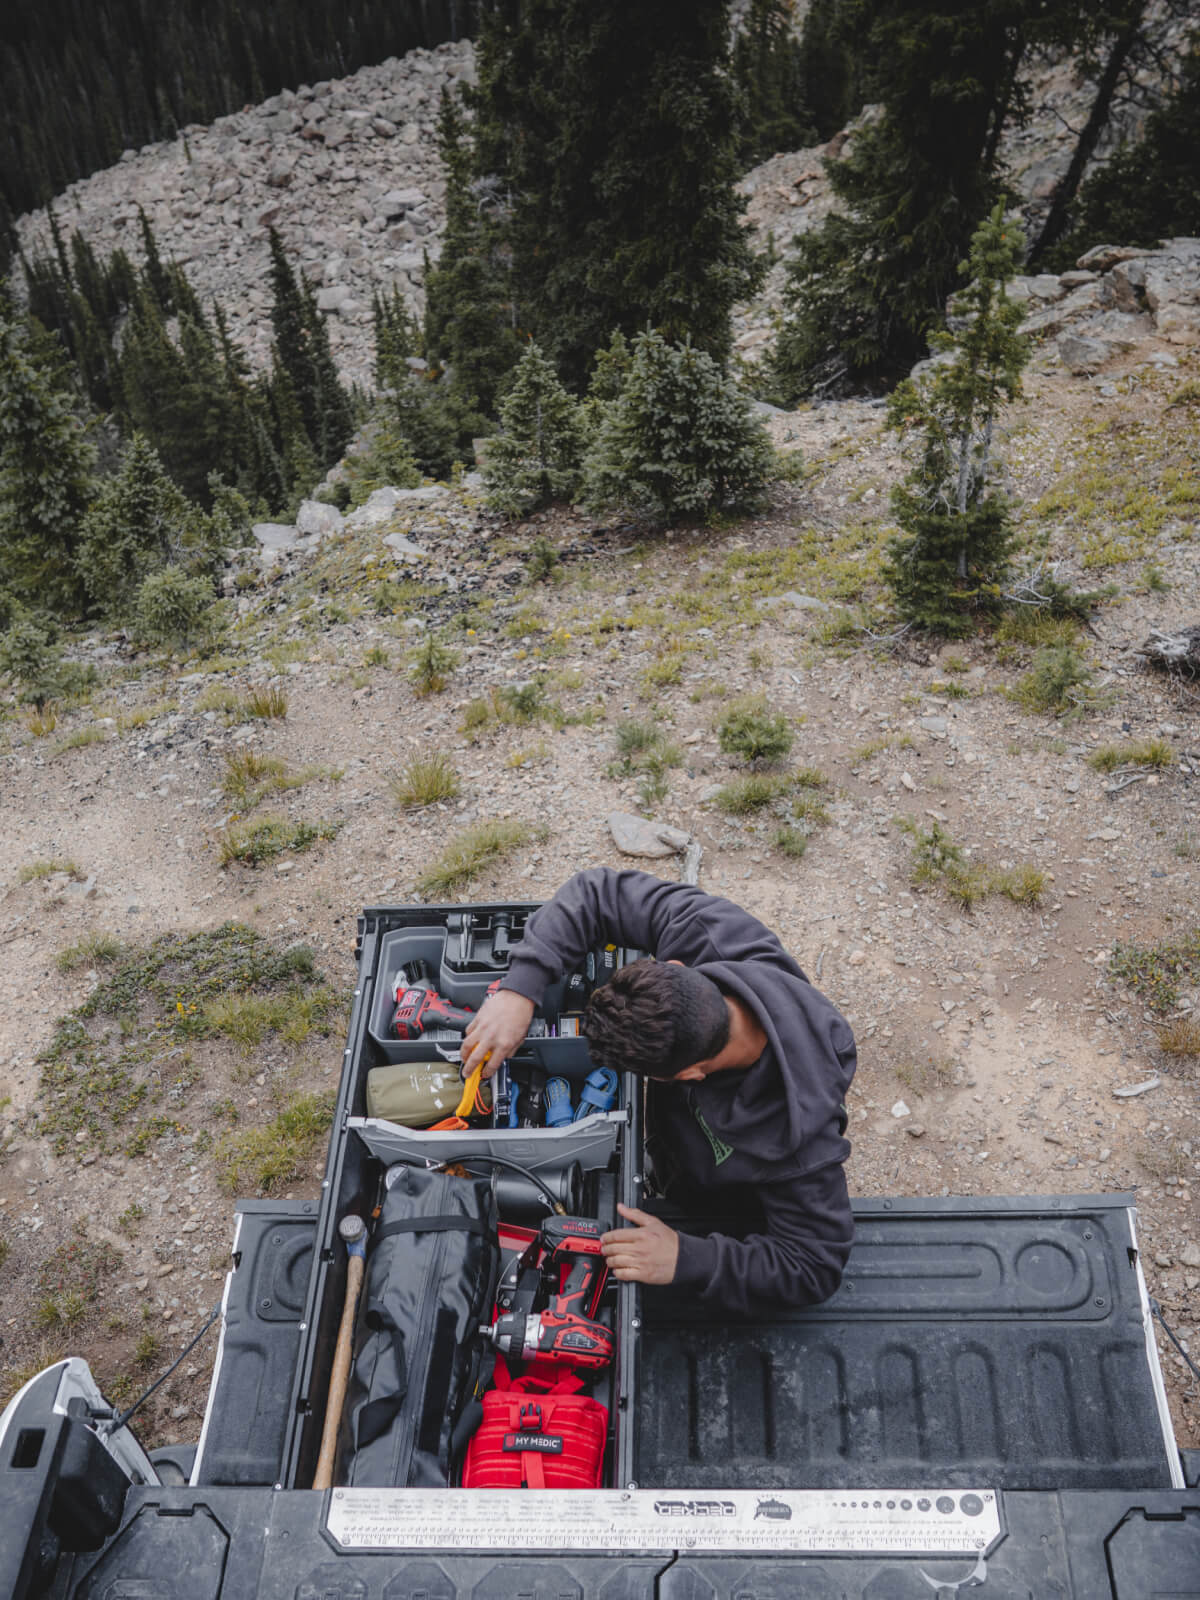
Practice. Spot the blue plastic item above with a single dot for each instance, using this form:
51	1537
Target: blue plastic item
599	1093
558	1102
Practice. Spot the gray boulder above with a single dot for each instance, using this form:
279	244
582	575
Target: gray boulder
1080	355
634	836
316	518
274	535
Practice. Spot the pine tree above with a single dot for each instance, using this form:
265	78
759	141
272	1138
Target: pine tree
953	553
302	351
334	421
46	464
609	127
469	315
172	608
175	394
30	657
835	70
868	285
137	525
537	457
1149	189
768	67
157	279
395	331
679	439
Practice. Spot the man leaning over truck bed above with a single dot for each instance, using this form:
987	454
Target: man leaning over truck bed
749	1067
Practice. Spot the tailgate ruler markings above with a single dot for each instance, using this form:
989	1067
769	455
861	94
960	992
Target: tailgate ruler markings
881	1521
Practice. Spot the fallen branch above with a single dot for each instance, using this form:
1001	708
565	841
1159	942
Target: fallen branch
1134	777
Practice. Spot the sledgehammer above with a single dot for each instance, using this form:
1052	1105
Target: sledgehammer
353	1231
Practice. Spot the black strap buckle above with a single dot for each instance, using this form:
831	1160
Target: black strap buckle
531	1417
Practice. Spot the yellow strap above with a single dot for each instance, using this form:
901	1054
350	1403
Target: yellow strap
467	1104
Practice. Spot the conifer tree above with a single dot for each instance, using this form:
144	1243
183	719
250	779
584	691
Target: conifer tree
137	524
158	280
609	127
679	438
835	69
302	352
953	553
175	394
334	421
1148	189
768	67
31	658
868	285
537	457
469	314
46	464
395	333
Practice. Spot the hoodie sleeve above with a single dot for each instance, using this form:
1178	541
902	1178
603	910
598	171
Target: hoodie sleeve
797	1261
673	921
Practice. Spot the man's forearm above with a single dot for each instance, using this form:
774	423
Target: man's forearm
797	1260
596	907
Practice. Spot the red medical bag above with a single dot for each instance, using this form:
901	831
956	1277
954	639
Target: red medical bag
537	1433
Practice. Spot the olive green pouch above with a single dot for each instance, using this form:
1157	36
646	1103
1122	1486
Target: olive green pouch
414	1093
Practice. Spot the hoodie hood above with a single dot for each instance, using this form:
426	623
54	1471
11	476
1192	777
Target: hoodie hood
787	1106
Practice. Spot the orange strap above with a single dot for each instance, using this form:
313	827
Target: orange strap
472	1095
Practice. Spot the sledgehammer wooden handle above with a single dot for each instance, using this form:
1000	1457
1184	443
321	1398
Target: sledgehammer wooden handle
353	1231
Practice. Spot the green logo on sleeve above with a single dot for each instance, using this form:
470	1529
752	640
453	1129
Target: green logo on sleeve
721	1151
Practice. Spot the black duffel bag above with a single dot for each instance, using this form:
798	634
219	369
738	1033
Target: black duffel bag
430	1282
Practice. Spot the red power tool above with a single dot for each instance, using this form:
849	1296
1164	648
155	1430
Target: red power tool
571	1276
419	1007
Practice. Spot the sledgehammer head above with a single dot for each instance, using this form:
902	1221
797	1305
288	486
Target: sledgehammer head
353	1231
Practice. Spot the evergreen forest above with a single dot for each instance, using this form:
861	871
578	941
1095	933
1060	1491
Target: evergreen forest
593	255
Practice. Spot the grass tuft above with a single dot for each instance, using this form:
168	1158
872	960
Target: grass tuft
1157	753
36	871
252	843
246	1019
752	733
80	738
249	778
791	842
96	950
873	747
265	704
756	790
1180	1037
469	852
1154	971
425	781
266	1159
1057	683
642	748
938	863
430	665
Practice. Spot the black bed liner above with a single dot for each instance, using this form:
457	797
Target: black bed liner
971	1340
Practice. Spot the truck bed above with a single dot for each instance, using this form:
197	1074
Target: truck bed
979	1406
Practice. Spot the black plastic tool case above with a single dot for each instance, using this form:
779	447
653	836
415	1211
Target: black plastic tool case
388	938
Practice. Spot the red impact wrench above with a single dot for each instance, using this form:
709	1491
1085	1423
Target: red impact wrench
566	1330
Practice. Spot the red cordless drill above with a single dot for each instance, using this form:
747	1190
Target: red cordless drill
574	1274
419	1007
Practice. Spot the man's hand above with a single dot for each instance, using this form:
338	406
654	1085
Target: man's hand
495	1031
645	1253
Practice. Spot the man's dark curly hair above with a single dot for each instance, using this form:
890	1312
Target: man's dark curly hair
656	1019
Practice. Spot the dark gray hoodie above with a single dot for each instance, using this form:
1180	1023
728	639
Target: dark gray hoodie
776	1125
